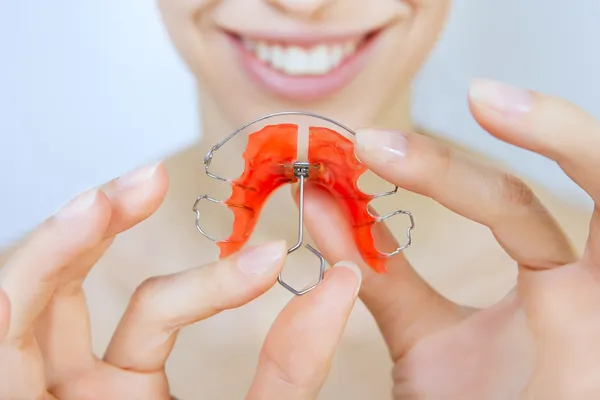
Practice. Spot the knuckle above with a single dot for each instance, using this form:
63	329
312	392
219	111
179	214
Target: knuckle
445	155
443	160
513	191
147	296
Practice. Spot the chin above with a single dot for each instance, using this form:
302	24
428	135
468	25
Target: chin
349	112
348	62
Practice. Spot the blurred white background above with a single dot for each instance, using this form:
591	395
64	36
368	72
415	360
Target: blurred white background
546	45
90	89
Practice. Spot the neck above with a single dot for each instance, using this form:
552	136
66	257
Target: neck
189	181
396	115
216	126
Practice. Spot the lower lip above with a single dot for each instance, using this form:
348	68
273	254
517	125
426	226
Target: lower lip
303	88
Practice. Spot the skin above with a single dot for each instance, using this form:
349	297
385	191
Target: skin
196	28
538	342
46	353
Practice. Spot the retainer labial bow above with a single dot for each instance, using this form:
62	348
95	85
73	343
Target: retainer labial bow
310	149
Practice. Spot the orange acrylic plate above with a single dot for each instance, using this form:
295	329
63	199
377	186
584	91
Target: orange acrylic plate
338	173
268	158
267	165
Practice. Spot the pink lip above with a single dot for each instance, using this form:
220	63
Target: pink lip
303	88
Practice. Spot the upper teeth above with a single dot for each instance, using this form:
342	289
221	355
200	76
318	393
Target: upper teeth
294	60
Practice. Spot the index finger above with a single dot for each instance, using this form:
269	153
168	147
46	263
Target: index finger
549	126
297	354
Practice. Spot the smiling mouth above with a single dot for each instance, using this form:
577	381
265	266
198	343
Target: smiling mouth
303	66
305	59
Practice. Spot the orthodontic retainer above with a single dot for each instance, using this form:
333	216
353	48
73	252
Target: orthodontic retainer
271	160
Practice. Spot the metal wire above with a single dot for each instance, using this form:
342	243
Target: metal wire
301	171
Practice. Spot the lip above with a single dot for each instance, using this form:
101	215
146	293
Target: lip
304	88
302	37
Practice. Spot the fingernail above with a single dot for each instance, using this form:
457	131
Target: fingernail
137	176
354	268
503	98
259	259
78	205
381	146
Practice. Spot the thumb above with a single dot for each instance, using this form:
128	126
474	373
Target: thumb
399	299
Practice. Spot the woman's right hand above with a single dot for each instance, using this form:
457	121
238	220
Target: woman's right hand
541	340
45	340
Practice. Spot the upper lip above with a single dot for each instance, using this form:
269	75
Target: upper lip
304	36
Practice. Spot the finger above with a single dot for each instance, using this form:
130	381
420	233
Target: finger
163	305
404	306
502	202
32	273
136	196
298	351
549	126
30	277
544	124
133	198
63	330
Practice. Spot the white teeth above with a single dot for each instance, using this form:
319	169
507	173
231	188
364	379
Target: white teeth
278	57
294	60
337	54
321	61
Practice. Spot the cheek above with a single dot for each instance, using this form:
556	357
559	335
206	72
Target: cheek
388	76
431	17
187	24
419	36
209	57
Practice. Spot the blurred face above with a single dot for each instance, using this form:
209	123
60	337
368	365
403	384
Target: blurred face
346	59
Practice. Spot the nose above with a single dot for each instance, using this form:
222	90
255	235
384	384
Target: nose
300	8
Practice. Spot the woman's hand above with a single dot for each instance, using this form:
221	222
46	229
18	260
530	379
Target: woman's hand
541	341
45	341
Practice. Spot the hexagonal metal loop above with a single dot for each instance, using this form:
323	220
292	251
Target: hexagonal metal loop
311	287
